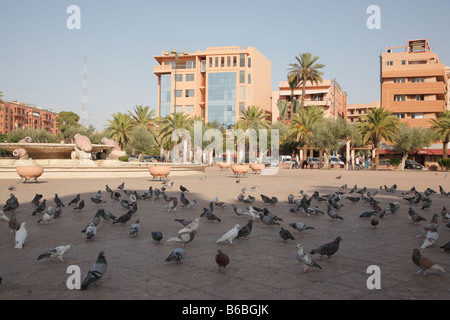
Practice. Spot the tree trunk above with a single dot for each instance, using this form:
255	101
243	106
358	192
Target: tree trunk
377	154
302	103
404	157
444	149
326	157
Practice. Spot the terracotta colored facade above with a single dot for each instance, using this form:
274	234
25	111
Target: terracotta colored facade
414	83
216	84
327	94
354	111
15	115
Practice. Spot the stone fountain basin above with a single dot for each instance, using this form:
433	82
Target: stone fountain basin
50	150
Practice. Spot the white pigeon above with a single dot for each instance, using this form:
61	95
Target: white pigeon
192	203
230	235
91	230
214	200
252	213
254	188
3	216
47	217
191	226
135	227
305	259
57	252
21	236
430	238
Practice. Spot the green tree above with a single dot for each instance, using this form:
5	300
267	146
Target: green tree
141	140
36	135
411	139
66	119
142	116
254	118
302	123
304	70
283	108
326	135
376	125
119	128
441	125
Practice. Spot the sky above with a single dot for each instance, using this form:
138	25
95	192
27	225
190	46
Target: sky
41	59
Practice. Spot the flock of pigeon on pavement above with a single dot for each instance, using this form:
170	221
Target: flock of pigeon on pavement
305	204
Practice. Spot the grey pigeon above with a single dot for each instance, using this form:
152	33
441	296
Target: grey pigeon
58	201
11	204
286	235
445	214
305	259
135	227
184	222
40	208
446	247
245	231
75	200
176	255
157	236
267	220
36	199
79	206
333	214
124	218
209	215
57	253
95	220
96	272
106	215
442	191
300	226
238	211
57	212
328	249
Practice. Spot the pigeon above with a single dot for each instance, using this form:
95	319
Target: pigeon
4	216
245	231
57	253
426	204
124	218
429	192
353	199
446	247
202	178
374	222
12	187
157	236
176	255
183	189
36	199
184	222
367	214
96	272
191	226
171	205
134	230
445	214
414	216
148	194
184	201
238	211
314	210
305	259
121	186
125	204
221	204
300	226
286	235
333	214
95	220
75	200
238	180
252	212
209	215
393	206
57	212
241	197
133	208
267	220
184	238
442	191
13	223
266	199
271	215
11	204
97	200
430	238
230	235
291	198
339	176
79	206
91	230
58	201
222	260
168	185
424	263
40	208
115	195
21	236
214	200
106	215
108	189
391	189
355	188
328	249
47	217
250	199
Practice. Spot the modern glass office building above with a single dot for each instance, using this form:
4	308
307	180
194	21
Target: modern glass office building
222	98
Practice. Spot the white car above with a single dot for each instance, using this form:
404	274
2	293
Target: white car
285	159
336	160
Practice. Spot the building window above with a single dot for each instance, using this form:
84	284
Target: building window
190	77
241	93
399	97
190	64
189	109
228	61
241	108
399	115
178	109
189	93
420	97
249	62
178	93
416	115
222	95
178	77
210	62
242	76
216	62
418	79
389	63
234	61
249	79
165	95
399	80
249	94
222	62
242	60
317	97
403	62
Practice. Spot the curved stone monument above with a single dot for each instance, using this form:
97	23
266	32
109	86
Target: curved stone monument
114	153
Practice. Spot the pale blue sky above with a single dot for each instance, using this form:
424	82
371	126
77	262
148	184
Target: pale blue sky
41	61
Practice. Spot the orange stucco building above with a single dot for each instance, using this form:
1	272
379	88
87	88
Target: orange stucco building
15	115
414	83
217	84
327	94
354	111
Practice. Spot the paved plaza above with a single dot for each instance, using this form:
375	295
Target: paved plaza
263	267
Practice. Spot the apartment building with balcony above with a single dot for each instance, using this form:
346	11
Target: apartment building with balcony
354	111
16	114
217	84
327	94
414	83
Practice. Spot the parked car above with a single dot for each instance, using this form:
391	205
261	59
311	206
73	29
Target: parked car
384	162
411	164
147	158
336	160
270	161
285	159
312	161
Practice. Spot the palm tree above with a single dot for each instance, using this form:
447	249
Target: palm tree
306	69
254	118
142	115
302	124
441	125
283	108
376	125
120	128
